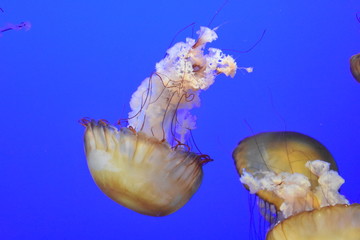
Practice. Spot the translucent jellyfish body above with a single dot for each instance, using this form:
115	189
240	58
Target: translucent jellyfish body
148	166
298	177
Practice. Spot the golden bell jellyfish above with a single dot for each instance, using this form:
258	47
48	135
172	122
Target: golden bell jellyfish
298	177
338	222
355	66
148	166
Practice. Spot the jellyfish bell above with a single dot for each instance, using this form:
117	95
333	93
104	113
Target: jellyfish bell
298	177
339	222
148	165
139	171
355	66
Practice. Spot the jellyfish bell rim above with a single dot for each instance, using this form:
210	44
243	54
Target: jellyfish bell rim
152	178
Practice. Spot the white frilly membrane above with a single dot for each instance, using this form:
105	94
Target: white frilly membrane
162	103
147	166
295	188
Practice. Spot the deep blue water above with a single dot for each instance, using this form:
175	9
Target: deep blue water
86	58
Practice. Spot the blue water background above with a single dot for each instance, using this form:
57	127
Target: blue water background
86	58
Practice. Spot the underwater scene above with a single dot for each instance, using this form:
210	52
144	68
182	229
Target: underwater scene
180	120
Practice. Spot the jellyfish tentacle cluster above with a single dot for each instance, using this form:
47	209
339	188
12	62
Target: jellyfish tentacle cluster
162	103
295	188
298	177
148	166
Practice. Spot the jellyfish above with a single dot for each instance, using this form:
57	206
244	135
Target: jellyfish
148	166
355	60
10	26
328	223
298	177
355	66
23	25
